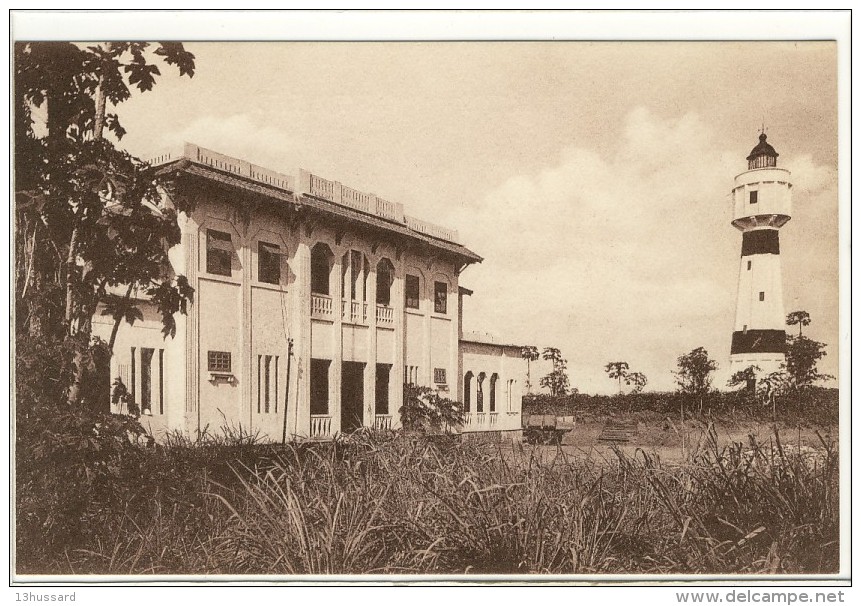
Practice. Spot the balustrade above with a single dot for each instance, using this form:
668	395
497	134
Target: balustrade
383	422
385	315
308	183
321	306
321	426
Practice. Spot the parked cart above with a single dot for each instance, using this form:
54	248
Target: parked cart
546	429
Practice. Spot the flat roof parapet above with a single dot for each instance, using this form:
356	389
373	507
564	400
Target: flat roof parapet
309	184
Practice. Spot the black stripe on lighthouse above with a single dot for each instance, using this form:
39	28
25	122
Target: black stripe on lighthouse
758	341
760	242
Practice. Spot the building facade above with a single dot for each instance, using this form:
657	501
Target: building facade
762	204
314	303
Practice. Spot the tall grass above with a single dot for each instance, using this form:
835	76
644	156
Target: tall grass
393	503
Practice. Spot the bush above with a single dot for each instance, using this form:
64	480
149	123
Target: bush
69	458
816	406
425	411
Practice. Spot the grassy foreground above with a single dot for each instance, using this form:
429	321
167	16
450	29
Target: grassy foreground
390	503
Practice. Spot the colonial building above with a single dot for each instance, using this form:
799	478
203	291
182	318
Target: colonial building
314	303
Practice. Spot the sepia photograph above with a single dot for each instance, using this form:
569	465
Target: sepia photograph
442	305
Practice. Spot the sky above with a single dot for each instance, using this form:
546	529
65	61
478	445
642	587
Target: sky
593	177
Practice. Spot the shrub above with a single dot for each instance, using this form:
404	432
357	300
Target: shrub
69	458
425	411
817	406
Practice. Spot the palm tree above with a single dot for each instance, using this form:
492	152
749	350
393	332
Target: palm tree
617	370
530	354
802	318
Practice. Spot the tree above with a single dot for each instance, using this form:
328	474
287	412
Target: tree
802	318
638	380
557	380
802	356
426	411
746	377
618	371
530	354
694	374
87	232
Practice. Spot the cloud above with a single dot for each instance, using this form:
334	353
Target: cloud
626	255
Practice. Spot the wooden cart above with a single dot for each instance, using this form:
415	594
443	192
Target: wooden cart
546	429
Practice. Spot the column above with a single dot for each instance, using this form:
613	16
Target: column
370	292
192	351
396	385
338	309
299	408
245	335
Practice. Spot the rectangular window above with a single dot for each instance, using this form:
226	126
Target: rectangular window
761	296
439	376
134	374
440	298
754	197
146	380
267	384
411	292
267	391
749	263
268	263
143	373
218	361
161	381
319	386
219	252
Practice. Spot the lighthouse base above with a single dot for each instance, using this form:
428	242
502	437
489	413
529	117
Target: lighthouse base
766	362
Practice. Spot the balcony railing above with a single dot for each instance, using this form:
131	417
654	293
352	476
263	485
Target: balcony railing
491	421
355	312
383	422
321	306
385	315
321	426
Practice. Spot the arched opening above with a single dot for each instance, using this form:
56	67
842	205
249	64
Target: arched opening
354	273
493	379
385	279
321	268
467	391
479	393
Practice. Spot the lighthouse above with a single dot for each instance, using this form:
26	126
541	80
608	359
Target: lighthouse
762	201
